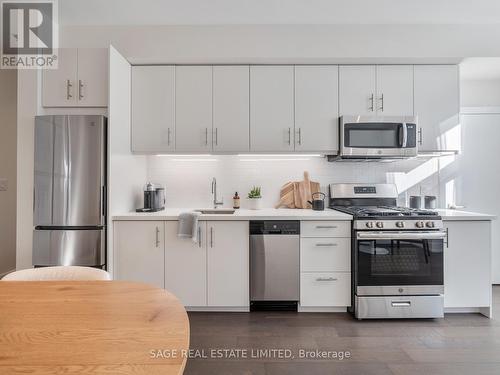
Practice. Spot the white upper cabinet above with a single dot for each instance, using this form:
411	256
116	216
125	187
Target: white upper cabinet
316	108
193	108
394	90
139	251
272	108
230	131
81	79
227	263
93	77
437	106
153	109
59	86
357	90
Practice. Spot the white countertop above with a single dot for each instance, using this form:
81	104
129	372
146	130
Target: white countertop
263	214
450	215
284	214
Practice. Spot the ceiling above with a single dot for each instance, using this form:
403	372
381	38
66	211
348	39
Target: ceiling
231	12
479	68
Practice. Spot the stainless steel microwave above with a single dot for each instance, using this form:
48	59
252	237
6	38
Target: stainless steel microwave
377	137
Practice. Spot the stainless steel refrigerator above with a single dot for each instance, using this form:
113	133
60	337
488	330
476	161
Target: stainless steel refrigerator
70	192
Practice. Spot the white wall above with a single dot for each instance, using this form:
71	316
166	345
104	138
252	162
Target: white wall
188	179
291	43
480	93
8	126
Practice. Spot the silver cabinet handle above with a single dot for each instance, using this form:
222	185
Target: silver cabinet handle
372	99
400	303
289	136
447	238
157	237
420	136
216	136
326	279
326	226
382	103
80	89
326	244
168	136
206	136
300	136
68	89
199	236
211	237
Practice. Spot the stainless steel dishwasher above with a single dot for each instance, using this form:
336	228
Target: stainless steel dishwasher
274	265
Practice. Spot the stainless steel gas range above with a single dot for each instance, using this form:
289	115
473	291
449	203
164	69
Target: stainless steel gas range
397	254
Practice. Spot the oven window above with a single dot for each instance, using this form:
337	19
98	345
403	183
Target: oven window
400	262
372	135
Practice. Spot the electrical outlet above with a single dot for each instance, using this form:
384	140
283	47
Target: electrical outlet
3	184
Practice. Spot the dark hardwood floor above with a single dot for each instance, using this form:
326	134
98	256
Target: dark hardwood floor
457	344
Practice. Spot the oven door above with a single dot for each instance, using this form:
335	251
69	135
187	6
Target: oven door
375	139
399	263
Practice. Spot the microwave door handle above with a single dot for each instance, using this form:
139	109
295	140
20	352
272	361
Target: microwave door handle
405	135
401	136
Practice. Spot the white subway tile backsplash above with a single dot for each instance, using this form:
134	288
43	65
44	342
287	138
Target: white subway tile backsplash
188	179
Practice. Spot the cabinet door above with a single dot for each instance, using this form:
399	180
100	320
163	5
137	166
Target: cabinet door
467	264
357	89
92	77
316	108
60	86
395	90
139	251
271	108
193	103
186	266
231	108
437	106
153	108
227	257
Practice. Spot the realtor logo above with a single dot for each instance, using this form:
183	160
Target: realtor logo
29	34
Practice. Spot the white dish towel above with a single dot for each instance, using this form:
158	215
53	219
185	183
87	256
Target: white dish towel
188	225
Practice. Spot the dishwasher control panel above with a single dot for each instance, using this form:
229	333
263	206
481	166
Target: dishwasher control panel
270	227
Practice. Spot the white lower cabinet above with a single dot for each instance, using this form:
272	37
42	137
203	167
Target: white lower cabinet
212	272
325	264
227	263
186	266
467	264
325	289
139	251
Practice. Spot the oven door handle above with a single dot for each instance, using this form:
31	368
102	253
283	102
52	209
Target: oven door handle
401	235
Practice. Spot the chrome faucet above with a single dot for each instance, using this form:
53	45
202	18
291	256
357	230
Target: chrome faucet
214	194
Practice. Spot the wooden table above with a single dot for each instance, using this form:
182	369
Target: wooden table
90	327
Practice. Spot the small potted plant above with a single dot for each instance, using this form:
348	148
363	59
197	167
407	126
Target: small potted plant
254	198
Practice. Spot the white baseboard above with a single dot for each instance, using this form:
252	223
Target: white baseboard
217	309
322	309
486	311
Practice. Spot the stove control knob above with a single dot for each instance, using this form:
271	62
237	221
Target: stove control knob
369	224
430	224
419	224
380	224
400	224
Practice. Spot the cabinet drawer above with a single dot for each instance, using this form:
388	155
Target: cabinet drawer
325	254
325	289
325	228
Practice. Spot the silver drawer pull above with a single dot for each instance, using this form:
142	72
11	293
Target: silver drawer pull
401	303
326	244
326	279
326	226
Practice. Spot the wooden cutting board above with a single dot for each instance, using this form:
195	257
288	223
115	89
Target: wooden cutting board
296	194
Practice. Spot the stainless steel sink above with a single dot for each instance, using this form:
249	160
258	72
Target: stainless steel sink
215	211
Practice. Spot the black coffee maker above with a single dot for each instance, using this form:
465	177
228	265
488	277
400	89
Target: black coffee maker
154	198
